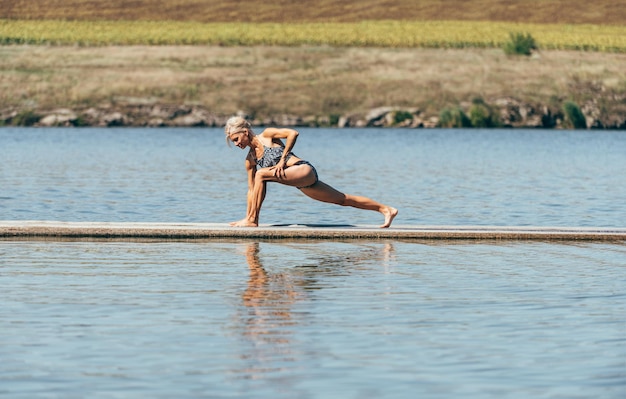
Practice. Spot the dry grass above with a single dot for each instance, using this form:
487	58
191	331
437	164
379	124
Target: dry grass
435	34
535	11
301	81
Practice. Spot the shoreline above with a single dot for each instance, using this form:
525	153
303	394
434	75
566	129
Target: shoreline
510	112
312	86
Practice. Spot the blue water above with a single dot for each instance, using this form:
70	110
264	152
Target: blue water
434	177
314	319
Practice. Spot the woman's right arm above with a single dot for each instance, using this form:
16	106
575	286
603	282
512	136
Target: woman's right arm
251	171
250	219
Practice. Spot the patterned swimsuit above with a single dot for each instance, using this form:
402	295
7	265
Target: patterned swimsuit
271	157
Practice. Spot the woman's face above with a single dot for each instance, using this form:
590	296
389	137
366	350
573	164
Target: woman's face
240	139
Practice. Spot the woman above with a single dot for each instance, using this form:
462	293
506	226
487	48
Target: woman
269	160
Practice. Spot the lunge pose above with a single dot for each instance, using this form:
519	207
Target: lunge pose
271	160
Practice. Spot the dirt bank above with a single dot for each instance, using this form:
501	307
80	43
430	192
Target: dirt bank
303	86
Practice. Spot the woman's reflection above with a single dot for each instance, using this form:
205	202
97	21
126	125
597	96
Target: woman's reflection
269	325
269	298
267	320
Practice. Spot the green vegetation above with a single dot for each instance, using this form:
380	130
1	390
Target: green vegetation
574	117
334	119
482	115
520	44
453	117
401	116
25	118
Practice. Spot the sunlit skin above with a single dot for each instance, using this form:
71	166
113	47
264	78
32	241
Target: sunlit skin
291	175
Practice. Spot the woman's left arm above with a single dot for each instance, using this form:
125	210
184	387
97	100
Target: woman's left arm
290	136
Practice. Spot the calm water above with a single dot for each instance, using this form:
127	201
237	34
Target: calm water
435	177
314	319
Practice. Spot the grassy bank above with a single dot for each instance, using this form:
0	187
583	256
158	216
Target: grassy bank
303	81
320	58
433	34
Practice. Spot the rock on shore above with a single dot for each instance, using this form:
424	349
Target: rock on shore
510	113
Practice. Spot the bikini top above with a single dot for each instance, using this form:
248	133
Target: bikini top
271	156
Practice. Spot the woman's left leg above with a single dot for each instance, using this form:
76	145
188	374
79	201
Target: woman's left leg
323	192
305	177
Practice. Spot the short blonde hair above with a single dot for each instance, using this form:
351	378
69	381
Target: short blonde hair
236	124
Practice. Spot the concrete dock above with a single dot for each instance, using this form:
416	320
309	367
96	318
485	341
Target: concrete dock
56	230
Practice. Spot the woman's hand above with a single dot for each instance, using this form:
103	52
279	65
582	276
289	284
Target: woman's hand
279	169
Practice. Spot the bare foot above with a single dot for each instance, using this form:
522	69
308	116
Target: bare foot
243	223
389	213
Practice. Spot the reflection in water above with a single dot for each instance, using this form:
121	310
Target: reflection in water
268	297
269	324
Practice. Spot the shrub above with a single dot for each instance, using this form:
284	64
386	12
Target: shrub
574	117
519	44
453	117
482	115
401	116
25	118
80	121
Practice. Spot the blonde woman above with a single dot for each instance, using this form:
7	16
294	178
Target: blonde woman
271	160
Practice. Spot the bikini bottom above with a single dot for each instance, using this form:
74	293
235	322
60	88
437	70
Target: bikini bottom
301	162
